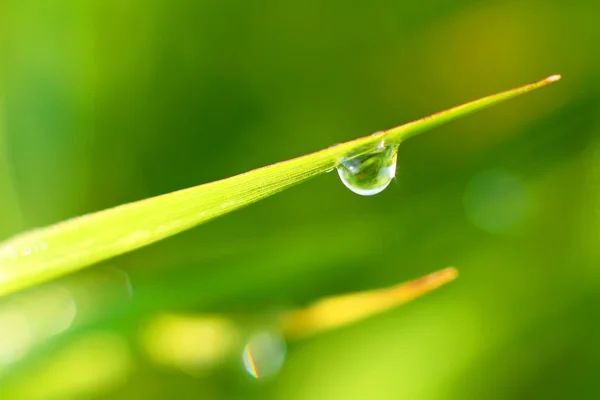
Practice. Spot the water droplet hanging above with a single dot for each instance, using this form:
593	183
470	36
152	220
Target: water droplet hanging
370	173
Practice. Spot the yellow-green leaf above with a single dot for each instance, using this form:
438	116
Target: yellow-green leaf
43	254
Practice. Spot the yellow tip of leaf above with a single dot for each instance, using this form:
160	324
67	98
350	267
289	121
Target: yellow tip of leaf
337	311
553	78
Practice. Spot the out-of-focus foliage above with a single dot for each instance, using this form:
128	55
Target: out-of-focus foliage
105	102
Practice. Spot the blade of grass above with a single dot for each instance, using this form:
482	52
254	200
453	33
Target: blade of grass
334	312
43	254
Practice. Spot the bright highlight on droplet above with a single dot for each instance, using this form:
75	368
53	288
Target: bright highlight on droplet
250	362
264	354
370	173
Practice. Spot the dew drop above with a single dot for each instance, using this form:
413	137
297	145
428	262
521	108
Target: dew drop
370	173
264	354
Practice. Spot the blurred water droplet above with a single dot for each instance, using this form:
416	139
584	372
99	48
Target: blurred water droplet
370	173
264	354
496	201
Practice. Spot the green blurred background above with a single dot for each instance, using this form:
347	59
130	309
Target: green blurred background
106	102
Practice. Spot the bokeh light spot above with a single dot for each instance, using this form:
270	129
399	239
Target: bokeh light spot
192	343
264	354
30	319
88	367
15	336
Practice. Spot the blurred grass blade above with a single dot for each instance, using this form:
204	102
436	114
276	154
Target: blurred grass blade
47	253
338	311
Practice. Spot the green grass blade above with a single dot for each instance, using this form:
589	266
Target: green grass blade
43	254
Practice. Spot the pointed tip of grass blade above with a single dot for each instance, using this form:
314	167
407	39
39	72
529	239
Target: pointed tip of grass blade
402	132
553	78
337	311
429	282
